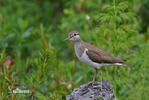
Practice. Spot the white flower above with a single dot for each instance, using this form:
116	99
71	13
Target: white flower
87	17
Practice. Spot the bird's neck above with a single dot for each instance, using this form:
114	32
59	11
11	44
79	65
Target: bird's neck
78	42
78	48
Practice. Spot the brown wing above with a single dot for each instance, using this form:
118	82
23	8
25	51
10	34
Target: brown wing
99	56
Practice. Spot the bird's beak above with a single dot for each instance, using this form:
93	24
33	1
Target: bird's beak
67	39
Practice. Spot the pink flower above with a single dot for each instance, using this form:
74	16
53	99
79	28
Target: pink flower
9	63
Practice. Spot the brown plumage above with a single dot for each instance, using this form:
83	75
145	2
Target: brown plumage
97	55
91	55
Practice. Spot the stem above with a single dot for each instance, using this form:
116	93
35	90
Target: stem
115	29
41	73
12	87
45	43
115	36
5	80
3	85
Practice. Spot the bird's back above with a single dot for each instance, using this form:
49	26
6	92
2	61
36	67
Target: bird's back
100	56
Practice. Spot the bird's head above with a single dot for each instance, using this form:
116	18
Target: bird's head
73	36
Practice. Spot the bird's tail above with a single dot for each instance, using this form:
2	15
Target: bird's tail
127	65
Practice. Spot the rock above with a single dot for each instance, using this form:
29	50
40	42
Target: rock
93	91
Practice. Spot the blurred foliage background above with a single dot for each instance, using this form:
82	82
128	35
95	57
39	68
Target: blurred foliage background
32	29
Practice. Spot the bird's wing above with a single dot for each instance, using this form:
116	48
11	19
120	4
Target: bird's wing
99	56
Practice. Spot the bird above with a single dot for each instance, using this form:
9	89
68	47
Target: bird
92	55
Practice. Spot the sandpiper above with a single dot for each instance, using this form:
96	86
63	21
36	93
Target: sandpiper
91	55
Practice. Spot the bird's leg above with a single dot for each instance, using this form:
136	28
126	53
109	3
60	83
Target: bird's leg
101	78
95	75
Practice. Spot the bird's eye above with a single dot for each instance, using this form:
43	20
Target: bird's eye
75	34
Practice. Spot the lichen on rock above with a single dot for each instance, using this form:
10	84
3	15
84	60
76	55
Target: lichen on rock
93	91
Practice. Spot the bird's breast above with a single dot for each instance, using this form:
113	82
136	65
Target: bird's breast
83	57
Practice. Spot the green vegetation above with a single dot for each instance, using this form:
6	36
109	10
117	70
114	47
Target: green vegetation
32	33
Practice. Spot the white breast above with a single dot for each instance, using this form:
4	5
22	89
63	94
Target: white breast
85	59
